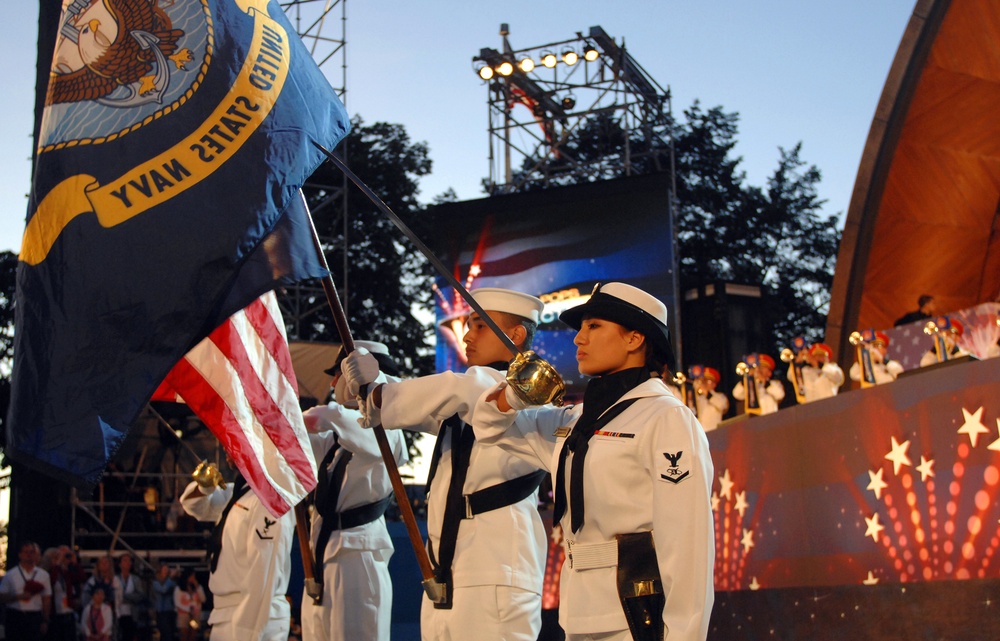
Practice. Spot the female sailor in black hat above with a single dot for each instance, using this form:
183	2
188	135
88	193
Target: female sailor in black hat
632	477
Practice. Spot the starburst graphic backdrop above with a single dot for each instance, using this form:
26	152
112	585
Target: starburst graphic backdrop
862	495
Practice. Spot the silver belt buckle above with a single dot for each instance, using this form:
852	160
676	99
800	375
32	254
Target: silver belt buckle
468	507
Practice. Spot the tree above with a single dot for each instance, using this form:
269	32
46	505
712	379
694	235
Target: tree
386	279
772	236
8	280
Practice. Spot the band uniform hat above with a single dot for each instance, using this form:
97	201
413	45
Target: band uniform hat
881	337
956	326
821	347
495	299
630	307
764	359
712	373
379	350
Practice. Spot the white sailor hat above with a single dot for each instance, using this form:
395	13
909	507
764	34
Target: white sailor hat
494	299
628	306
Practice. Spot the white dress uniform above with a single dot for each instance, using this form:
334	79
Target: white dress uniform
930	357
250	582
357	588
648	469
819	382
768	396
499	561
711	408
884	372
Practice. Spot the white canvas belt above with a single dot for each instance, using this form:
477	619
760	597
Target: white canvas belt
589	556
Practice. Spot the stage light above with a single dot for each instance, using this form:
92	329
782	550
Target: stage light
591	54
485	72
526	65
570	57
505	68
549	59
568	102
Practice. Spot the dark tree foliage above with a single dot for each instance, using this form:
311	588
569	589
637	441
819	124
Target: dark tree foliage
772	236
386	277
8	278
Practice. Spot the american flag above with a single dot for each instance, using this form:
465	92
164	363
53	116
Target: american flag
239	381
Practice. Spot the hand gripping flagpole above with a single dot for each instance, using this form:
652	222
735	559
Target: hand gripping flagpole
434	590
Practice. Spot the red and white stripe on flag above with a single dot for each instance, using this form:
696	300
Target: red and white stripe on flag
239	381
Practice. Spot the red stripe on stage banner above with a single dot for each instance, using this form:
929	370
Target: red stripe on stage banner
264	406
212	409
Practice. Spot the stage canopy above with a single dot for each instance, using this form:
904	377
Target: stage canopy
923	217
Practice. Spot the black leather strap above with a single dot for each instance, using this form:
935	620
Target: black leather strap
240	489
503	494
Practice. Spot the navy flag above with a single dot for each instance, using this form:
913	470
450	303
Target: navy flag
175	138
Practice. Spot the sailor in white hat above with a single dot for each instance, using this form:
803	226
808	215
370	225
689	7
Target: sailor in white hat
486	540
351	546
631	466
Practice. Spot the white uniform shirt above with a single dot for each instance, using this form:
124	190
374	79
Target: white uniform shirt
505	546
819	382
251	579
366	479
768	396
711	408
884	372
626	489
352	609
13	583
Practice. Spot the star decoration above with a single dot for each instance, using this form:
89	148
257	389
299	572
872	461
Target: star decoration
926	468
871	580
727	485
876	484
741	502
747	541
898	455
754	585
874	527
973	425
995	445
715	502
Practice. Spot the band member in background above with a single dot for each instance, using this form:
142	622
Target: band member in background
945	333
351	546
486	540
250	555
712	404
883	369
769	392
821	377
627	464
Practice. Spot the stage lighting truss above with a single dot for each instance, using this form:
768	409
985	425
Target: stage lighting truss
538	96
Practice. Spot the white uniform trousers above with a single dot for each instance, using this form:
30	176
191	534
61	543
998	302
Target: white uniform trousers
357	599
623	635
275	630
485	612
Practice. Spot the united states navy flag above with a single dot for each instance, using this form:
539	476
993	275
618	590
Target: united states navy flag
173	143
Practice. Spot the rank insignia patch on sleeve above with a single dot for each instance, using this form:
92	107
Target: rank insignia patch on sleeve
674	472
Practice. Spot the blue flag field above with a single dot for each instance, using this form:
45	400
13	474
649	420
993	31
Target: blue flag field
173	145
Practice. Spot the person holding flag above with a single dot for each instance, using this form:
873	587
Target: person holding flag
351	546
485	538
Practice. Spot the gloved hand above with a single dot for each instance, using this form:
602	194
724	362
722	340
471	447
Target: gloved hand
371	413
208	477
341	396
513	399
360	369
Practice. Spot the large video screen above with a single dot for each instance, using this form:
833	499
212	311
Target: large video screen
555	244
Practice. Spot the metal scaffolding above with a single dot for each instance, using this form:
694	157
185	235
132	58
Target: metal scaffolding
589	82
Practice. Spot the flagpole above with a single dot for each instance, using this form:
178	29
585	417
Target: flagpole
433	589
